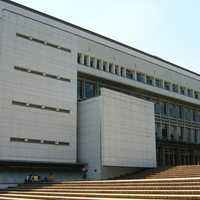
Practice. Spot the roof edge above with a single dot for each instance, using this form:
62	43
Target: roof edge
98	35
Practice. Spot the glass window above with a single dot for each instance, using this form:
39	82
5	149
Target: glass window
196	95
116	69
181	112
159	83
90	89
92	62
190	92
175	88
173	133
164	109
129	74
158	130
188	134
140	77
172	110
122	71
98	64
86	60
79	58
194	115
188	114
167	85
165	131
111	68
195	136
80	89
182	90
181	135
150	80
104	65
157	108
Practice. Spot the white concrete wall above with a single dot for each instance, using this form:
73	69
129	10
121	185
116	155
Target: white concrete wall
128	131
89	136
101	48
116	134
25	122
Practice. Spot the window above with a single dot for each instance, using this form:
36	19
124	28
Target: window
86	60
195	136
182	90
175	88
181	112
42	107
98	64
188	114
129	74
164	109
111	68
188	134
122	71
117	69
149	80
90	89
43	74
140	77
92	62
196	95
167	85
190	92
173	133
104	65
165	131
79	58
172	110
43	42
181	135
80	89
159	83
194	115
158	130
157	108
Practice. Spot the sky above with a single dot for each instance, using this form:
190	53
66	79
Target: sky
166	28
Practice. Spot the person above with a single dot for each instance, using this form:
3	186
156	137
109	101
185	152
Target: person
85	170
28	179
50	177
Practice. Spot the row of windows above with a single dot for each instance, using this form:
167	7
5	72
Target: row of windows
43	107
86	89
44	74
38	141
27	37
177	111
138	76
176	133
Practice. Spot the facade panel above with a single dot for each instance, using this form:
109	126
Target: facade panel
128	138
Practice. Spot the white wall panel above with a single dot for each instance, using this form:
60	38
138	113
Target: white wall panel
128	131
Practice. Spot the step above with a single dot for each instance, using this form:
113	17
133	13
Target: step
189	187
122	191
107	196
115	184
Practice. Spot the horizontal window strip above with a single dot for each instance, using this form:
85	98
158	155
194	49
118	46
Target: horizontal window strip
38	141
100	64
43	42
42	107
19	68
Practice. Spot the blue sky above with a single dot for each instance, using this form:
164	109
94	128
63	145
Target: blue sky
165	28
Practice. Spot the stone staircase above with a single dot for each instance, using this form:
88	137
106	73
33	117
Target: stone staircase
175	188
167	172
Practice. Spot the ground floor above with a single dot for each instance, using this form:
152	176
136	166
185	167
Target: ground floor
171	154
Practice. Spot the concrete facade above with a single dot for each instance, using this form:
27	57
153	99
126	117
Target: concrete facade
116	130
41	61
